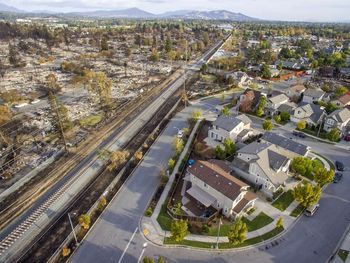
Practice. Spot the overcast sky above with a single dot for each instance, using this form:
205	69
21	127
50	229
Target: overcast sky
300	10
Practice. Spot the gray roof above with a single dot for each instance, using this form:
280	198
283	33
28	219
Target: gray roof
279	98
254	147
313	111
276	160
315	93
341	116
244	118
286	143
287	107
228	123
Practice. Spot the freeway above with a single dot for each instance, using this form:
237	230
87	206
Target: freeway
116	236
20	233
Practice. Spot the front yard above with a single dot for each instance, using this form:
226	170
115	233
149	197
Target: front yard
284	200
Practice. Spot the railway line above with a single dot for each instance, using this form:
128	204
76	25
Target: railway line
21	233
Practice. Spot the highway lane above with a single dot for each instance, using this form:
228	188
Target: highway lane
116	237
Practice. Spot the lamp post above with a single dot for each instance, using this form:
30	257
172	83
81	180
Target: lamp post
71	224
217	238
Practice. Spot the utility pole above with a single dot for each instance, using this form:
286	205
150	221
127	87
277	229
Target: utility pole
75	236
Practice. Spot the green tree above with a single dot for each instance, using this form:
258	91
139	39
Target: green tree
265	72
171	165
334	135
179	230
226	111
303	166
285	116
262	104
220	152
104	43
277	118
197	114
238	232
154	56
230	147
206	38
302	125
168	44
179	145
204	68
341	91
323	176
148	260
279	223
307	194
267	125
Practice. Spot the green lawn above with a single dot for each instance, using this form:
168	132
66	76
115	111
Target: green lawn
258	222
343	254
248	242
164	219
91	120
284	200
297	211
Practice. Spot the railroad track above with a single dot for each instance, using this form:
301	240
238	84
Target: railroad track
16	233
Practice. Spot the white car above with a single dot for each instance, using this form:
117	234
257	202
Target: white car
180	134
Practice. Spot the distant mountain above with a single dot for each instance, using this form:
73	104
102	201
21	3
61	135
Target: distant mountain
125	13
176	13
214	15
7	8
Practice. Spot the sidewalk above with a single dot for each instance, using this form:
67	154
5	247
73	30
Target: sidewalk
345	246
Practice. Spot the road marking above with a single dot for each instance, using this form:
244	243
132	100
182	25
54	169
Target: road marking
127	246
140	257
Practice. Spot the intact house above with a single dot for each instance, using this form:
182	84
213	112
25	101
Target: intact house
343	101
265	163
249	100
311	113
274	102
339	119
295	92
239	78
311	95
236	128
211	186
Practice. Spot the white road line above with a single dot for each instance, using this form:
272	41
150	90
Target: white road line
127	246
140	257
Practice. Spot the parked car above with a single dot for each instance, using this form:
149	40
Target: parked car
337	177
180	134
299	134
339	166
347	138
311	210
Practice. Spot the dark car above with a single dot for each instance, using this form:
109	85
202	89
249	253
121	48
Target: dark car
339	165
337	177
347	138
299	134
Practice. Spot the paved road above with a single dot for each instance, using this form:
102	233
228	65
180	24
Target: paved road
116	237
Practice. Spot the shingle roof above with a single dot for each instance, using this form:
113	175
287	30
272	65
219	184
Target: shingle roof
341	115
228	123
214	173
315	93
254	147
345	99
279	99
285	143
313	111
244	118
276	160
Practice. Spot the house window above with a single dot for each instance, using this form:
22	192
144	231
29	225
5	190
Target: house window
330	121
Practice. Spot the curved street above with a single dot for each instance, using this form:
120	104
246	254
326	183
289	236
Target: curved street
116	236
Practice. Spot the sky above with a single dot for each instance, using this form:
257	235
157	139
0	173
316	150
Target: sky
287	10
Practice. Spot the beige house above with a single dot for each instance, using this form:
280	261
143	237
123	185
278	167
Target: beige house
212	186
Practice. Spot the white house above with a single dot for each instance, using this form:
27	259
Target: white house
228	127
213	186
273	103
311	95
311	113
338	119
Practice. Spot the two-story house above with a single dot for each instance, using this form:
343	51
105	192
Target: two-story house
295	91
311	113
264	165
213	186
338	119
343	101
228	127
274	102
311	95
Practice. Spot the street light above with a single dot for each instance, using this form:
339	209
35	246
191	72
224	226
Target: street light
71	224
217	238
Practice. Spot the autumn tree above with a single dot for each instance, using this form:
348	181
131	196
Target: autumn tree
171	165
66	251
307	194
226	111
5	114
179	230
302	125
52	83
238	232
179	145
116	159
197	114
84	221
279	223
